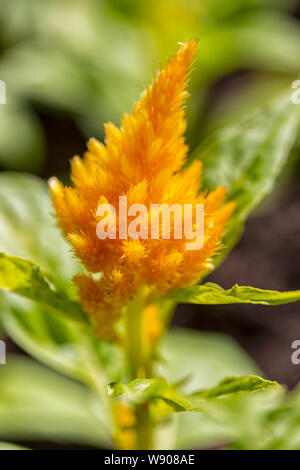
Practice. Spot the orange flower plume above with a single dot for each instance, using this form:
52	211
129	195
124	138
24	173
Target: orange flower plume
142	160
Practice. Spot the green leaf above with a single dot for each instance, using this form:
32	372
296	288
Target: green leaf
47	337
38	404
143	390
10	446
212	294
24	278
201	358
146	390
234	419
247	158
232	385
197	359
281	426
231	413
63	345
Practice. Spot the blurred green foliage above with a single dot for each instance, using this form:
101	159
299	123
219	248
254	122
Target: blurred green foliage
90	60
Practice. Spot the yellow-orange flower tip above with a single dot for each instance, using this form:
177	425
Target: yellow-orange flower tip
54	184
142	160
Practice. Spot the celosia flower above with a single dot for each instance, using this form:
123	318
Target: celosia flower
143	160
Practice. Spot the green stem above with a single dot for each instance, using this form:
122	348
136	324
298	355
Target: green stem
144	428
140	366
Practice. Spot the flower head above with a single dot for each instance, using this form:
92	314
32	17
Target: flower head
142	160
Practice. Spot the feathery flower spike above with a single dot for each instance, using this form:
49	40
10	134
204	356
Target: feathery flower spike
142	160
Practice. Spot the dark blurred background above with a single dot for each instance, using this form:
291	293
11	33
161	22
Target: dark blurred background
69	66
